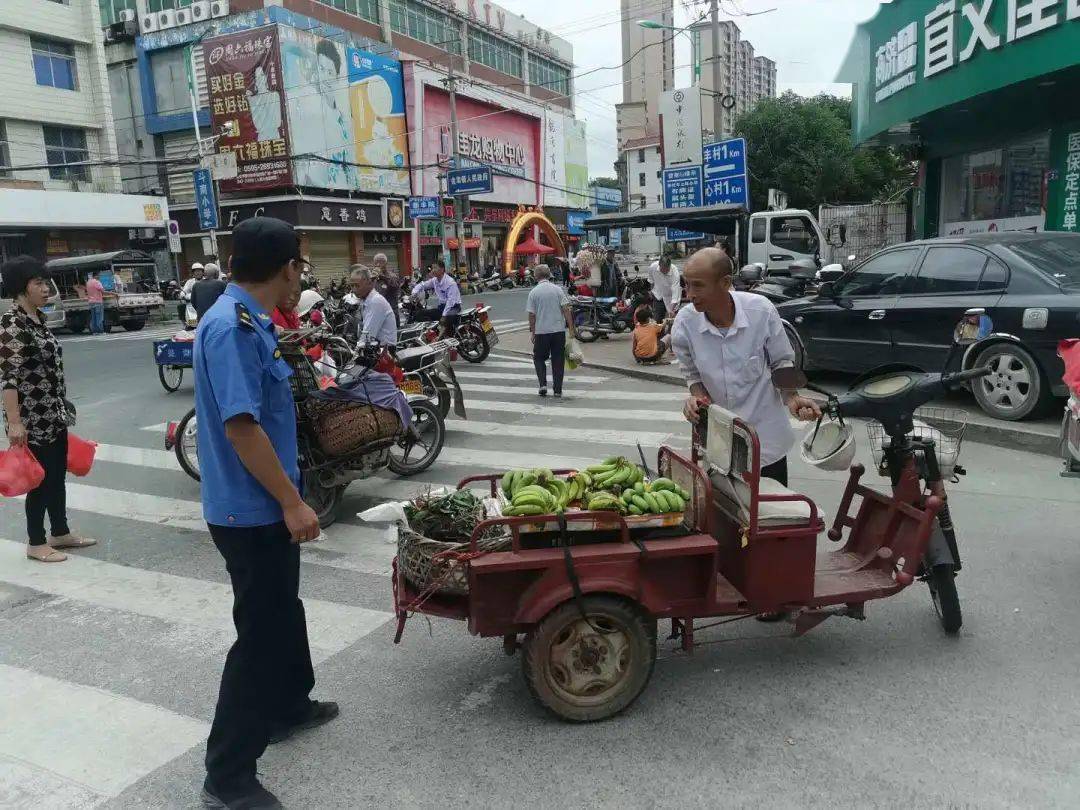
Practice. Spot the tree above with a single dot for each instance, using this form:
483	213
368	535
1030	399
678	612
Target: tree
606	182
803	146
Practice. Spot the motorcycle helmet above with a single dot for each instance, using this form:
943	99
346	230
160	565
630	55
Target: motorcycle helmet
828	446
308	299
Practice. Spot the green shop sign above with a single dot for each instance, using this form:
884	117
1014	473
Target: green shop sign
918	56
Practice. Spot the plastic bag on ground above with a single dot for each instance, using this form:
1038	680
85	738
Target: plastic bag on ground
20	472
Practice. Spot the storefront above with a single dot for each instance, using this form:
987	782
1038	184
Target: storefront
334	232
981	91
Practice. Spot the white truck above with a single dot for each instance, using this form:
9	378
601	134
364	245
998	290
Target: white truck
129	276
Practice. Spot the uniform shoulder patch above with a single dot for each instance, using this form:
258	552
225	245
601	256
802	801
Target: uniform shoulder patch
243	317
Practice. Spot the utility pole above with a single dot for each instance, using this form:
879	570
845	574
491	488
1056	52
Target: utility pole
717	96
459	202
190	65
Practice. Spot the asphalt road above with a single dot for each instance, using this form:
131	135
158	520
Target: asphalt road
109	662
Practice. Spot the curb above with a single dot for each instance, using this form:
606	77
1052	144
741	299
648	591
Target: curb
1003	435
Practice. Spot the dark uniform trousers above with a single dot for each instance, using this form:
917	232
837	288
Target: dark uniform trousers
268	674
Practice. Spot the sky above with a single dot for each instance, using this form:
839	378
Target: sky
806	38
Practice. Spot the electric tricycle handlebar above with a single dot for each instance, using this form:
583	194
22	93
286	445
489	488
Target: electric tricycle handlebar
893	399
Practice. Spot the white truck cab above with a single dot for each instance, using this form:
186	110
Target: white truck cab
778	239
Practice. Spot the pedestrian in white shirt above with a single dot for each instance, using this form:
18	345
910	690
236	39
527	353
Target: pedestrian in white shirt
549	320
378	317
728	344
666	284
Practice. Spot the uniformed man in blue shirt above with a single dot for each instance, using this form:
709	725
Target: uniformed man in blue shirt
256	516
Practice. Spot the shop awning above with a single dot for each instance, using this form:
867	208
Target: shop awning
714	219
530	245
470	244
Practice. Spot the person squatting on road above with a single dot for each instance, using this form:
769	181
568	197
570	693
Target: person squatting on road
650	342
549	321
446	290
255	514
35	405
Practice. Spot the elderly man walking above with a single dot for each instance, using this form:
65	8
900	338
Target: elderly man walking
549	321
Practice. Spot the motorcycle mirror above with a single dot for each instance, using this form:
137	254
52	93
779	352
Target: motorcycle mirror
789	378
972	327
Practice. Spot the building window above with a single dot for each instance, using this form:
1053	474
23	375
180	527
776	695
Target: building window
5	151
110	10
995	183
423	23
168	69
64	145
641	179
657	174
494	52
545	73
54	63
640	155
364	9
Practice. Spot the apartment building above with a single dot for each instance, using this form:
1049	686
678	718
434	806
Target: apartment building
56	121
640	165
648	68
745	78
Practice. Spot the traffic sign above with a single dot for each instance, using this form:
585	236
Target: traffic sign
725	173
476	180
682	187
205	200
222	165
421	207
679	235
174	237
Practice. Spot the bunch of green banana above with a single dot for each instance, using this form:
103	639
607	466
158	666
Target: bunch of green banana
600	501
658	497
579	484
534	492
615	474
668	485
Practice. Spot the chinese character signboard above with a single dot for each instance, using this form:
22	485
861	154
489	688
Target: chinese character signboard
575	222
679	235
205	200
469	181
607	199
247	104
894	65
680	123
421	207
1071	182
682	187
725	173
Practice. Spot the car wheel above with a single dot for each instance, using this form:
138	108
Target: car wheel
1015	387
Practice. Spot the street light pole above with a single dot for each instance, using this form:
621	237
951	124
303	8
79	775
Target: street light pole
718	108
459	202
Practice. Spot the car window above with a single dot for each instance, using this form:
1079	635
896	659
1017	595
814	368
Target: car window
879	275
994	277
757	230
1056	255
792	233
950	270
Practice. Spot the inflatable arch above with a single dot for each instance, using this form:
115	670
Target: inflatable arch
526	218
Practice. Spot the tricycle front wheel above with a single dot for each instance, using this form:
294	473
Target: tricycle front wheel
171	377
591	667
942	582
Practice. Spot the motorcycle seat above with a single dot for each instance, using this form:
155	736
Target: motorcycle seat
410	359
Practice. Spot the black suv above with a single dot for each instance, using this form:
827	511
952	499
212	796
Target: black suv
900	306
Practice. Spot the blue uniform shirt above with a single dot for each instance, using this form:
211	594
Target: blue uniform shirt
239	369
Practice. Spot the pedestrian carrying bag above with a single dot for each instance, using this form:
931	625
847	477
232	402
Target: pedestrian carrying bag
80	455
20	472
574	355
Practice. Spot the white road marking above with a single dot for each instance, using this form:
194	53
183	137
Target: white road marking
566	411
629	397
507	364
479	374
180	600
576	435
96	739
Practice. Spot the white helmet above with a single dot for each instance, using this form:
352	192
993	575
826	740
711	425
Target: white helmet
308	299
828	446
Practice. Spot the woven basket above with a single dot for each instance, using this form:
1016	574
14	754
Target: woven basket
416	553
344	427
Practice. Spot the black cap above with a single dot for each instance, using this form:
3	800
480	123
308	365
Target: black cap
261	245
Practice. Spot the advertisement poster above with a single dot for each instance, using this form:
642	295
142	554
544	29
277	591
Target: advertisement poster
577	165
680	122
377	102
554	160
246	94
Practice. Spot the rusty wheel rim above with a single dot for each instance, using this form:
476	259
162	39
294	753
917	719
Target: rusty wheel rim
588	662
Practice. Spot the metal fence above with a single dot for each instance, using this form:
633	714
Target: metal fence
860	230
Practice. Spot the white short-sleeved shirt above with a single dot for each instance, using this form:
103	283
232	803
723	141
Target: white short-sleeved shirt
735	365
667	287
546	302
379	320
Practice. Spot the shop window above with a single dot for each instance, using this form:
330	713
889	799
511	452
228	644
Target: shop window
54	63
64	145
421	22
951	270
550	75
995	183
110	10
494	52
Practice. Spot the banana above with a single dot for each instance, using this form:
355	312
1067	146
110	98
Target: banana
543	474
507	478
613	460
671	500
586	478
534	488
526	509
684	494
533	500
640	502
640	487
650	499
628	496
664	483
677	502
600	469
622	476
635	509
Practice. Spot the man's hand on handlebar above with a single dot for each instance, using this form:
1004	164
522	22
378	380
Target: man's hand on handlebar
692	407
803	408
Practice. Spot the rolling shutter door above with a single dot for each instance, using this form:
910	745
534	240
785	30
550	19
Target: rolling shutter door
328	252
371	248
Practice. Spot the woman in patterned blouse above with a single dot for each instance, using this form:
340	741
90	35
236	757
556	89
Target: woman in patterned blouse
35	413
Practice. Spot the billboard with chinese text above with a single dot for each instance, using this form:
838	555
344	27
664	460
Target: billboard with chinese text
247	101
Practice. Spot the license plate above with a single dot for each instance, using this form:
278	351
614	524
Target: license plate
412	387
486	326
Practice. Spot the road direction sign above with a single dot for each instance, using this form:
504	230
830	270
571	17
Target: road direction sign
205	200
725	173
682	187
422	207
476	180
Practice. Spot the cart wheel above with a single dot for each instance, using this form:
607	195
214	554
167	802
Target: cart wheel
585	670
942	582
187	445
171	377
324	501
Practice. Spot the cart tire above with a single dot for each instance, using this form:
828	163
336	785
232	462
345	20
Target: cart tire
133	325
617	631
429	423
942	582
187	454
324	501
171	377
76	322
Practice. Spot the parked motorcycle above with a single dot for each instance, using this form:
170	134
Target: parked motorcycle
596	318
1069	352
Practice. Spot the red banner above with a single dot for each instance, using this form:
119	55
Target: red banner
247	106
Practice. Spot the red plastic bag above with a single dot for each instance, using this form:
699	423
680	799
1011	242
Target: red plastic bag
80	455
1069	352
20	472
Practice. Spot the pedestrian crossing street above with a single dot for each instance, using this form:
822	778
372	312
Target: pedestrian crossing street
91	649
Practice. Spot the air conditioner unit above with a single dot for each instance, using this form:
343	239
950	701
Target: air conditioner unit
183	16
127	15
219	8
200	10
148	22
166	19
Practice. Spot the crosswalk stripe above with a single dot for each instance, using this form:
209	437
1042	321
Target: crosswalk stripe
566	411
480	374
575	435
181	600
101	742
507	364
144	334
593	394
